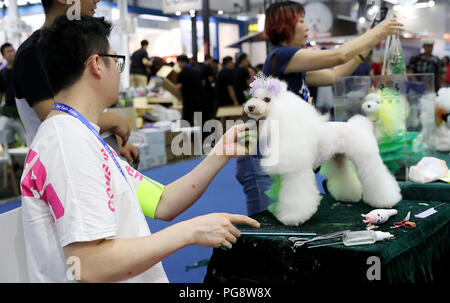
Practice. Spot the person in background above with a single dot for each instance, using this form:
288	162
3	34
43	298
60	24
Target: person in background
139	65
300	67
241	77
365	68
445	62
6	82
80	204
9	120
225	90
34	97
209	79
427	63
259	68
191	85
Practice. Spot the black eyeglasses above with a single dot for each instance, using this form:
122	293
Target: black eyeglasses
118	59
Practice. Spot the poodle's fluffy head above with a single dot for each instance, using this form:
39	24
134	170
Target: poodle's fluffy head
263	90
443	106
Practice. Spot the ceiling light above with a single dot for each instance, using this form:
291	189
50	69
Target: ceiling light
362	20
220	12
178	13
431	3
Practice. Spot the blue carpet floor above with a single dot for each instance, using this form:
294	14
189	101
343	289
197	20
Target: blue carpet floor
223	195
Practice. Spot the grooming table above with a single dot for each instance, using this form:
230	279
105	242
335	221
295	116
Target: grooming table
415	255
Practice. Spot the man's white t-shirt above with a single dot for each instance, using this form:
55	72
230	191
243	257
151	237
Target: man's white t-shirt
72	191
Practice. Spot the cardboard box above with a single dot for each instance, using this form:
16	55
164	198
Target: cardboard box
169	77
151	135
128	113
148	163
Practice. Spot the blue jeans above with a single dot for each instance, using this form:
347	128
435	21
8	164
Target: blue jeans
255	182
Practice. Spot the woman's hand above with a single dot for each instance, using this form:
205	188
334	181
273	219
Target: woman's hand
216	230
388	27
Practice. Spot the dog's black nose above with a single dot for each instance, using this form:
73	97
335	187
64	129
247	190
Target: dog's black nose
251	108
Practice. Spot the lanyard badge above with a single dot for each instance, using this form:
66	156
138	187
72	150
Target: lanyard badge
74	113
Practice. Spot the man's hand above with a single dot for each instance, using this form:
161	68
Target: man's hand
240	140
216	230
112	122
122	129
130	152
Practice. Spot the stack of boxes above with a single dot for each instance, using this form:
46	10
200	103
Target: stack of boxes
155	145
151	145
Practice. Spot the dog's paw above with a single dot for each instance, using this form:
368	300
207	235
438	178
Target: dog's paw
385	199
295	218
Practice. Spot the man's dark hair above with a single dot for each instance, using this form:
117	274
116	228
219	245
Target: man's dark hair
182	58
144	43
4	46
226	60
47	5
241	57
207	57
66	45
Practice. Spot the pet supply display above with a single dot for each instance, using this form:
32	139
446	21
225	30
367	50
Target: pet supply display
393	103
295	139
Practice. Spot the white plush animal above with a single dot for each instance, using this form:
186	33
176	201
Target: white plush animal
371	109
435	119
296	139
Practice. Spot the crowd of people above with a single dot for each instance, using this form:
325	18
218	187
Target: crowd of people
204	86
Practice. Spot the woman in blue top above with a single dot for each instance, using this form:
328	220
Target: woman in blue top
292	62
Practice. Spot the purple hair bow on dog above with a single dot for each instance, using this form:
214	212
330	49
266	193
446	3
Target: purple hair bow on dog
272	85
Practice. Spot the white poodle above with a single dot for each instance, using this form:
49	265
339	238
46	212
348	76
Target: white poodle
296	139
435	119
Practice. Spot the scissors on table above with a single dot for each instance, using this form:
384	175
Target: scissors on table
404	223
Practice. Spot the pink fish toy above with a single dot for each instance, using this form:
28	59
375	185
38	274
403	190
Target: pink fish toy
379	216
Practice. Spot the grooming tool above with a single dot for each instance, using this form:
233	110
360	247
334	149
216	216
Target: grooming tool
428	212
246	233
327	244
404	223
363	237
299	243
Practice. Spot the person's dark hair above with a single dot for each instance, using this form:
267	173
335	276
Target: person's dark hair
66	45
144	43
241	57
4	46
281	18
182	58
47	5
207	57
226	60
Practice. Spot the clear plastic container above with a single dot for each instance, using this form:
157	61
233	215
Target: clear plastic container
364	237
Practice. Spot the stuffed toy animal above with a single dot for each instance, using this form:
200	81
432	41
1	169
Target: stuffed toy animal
435	119
379	216
295	139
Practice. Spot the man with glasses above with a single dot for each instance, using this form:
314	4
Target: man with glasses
83	206
34	97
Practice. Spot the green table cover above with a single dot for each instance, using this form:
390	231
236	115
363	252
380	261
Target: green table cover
415	255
